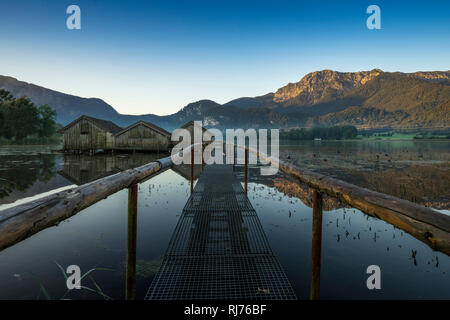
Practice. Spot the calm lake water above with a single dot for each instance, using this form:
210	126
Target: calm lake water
96	237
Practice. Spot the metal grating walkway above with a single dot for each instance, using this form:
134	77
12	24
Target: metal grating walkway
219	249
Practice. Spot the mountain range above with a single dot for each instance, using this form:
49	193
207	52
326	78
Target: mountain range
366	99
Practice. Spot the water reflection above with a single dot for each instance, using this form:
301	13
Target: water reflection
417	171
81	169
316	251
19	173
351	240
97	237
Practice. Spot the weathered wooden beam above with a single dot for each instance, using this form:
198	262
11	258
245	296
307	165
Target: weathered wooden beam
425	224
316	252
22	221
130	285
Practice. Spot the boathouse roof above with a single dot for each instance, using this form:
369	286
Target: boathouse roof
152	126
106	125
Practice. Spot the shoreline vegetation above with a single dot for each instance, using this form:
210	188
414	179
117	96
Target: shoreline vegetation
352	133
24	123
393	136
325	133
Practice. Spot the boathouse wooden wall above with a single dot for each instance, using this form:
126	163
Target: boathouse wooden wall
141	137
86	135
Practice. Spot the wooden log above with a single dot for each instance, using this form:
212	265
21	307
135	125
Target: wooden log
425	224
20	222
316	252
130	285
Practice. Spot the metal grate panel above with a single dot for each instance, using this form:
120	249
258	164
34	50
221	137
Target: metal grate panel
220	277
219	249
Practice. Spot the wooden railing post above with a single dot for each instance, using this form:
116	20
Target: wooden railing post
130	286
203	160
246	170
192	169
234	156
316	245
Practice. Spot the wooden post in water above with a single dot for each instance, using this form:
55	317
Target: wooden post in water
192	170
316	245
246	170
234	156
203	160
130	286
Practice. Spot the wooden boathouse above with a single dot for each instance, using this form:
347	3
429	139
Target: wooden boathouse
142	135
88	134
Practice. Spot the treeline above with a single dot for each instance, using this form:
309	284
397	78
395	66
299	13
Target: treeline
20	118
330	133
368	133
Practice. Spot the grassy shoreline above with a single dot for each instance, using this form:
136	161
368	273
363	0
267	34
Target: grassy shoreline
405	136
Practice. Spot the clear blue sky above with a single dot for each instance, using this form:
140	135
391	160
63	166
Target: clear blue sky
158	56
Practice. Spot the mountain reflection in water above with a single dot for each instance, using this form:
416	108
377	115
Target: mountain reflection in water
418	171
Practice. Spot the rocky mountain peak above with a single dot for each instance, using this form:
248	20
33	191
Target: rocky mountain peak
321	85
433	76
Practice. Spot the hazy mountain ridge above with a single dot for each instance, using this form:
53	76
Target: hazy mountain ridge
367	99
70	107
61	102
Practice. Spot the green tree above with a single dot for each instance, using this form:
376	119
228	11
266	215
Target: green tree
47	123
21	118
5	96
